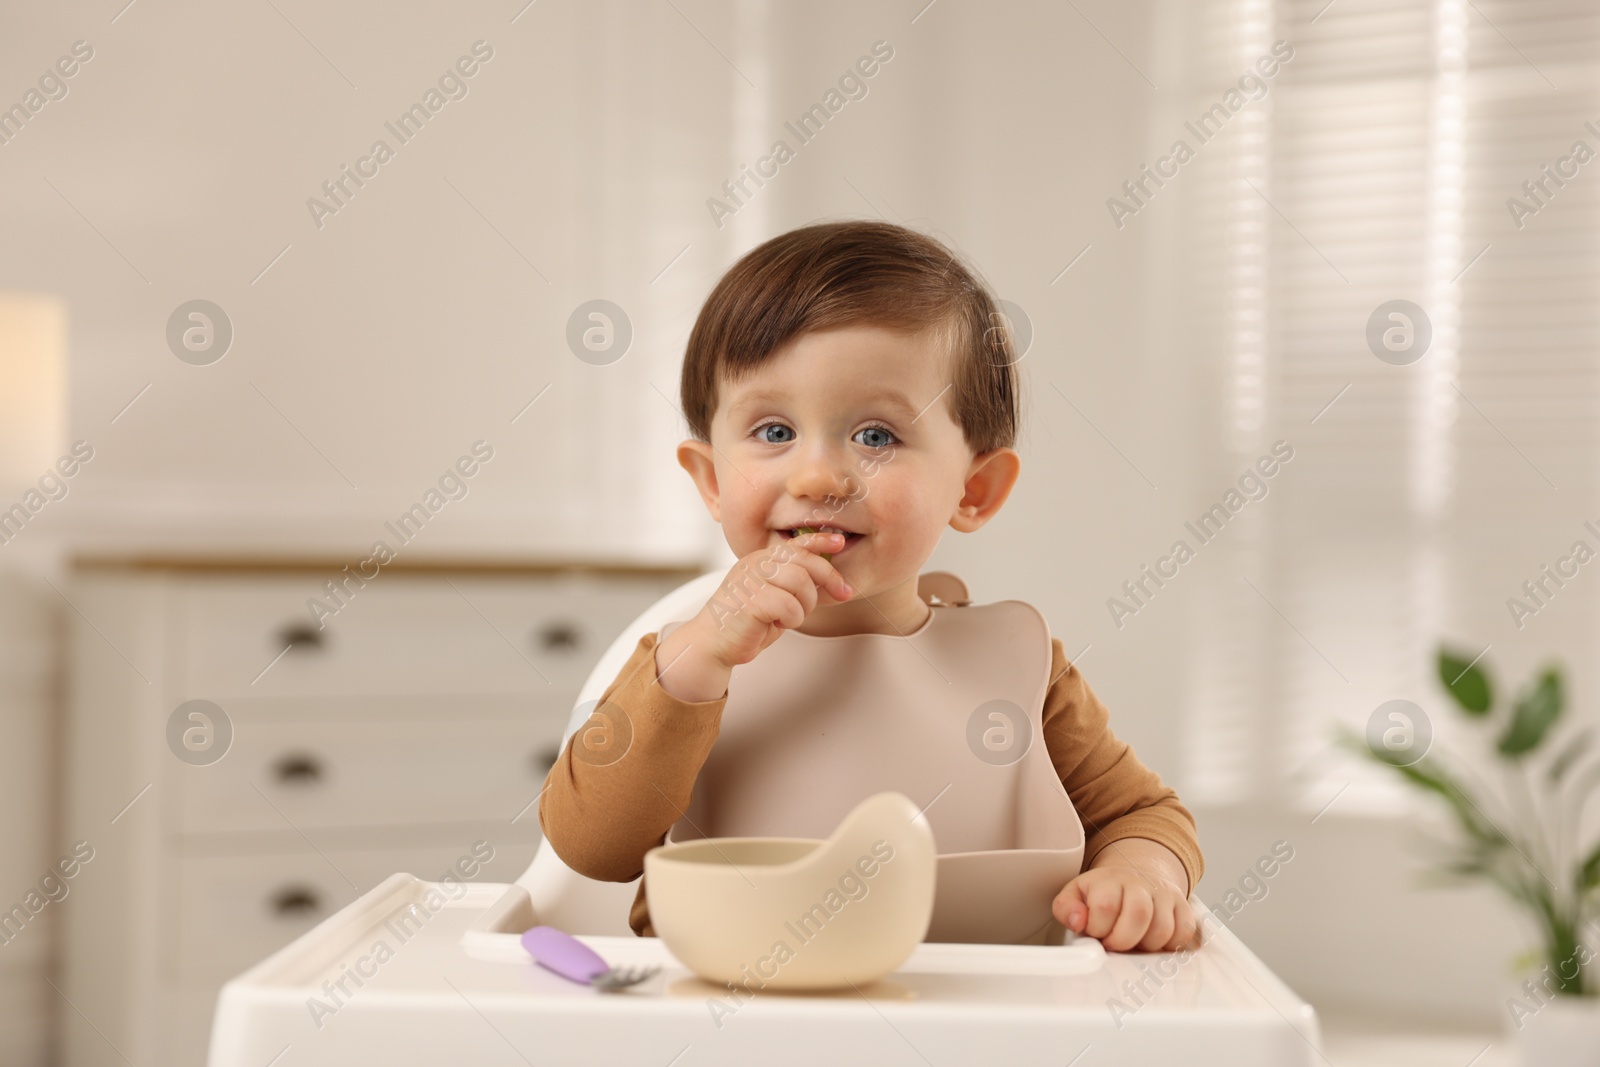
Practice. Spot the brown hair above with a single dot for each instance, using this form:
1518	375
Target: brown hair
835	274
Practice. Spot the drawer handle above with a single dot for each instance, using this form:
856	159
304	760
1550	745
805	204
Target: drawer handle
298	769
296	900
543	758
301	637
561	637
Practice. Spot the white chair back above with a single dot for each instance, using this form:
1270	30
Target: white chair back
562	897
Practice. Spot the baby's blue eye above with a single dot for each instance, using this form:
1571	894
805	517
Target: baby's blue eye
885	439
761	432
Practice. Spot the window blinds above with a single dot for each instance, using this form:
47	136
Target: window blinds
1379	167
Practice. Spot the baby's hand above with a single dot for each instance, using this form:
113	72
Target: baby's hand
1127	908
767	592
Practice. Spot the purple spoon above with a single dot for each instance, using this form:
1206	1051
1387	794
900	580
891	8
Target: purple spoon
564	954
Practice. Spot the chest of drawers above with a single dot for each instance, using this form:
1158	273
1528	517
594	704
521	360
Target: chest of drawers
409	731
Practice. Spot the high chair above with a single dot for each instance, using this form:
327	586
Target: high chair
418	972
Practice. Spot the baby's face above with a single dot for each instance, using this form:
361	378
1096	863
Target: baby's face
851	428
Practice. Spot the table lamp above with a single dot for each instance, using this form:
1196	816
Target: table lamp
33	345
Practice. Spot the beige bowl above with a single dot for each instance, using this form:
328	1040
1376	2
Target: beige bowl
797	913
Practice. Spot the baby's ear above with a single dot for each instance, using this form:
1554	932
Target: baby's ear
695	456
990	480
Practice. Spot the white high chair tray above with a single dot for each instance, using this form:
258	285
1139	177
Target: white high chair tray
459	988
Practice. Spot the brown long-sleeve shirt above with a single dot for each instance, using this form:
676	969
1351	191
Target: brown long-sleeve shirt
603	810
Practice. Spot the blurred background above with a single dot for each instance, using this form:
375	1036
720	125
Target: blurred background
241	344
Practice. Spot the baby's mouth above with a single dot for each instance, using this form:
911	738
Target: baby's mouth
850	537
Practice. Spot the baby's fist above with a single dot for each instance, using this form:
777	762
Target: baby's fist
1126	909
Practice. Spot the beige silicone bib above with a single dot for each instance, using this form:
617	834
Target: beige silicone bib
948	715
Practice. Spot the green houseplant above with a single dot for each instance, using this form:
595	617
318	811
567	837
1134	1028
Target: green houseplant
1525	840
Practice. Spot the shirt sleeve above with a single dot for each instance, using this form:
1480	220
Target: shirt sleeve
626	775
1116	796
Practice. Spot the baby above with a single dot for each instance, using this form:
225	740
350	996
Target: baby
848	380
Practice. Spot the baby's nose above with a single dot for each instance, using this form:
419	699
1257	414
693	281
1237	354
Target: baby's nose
819	473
